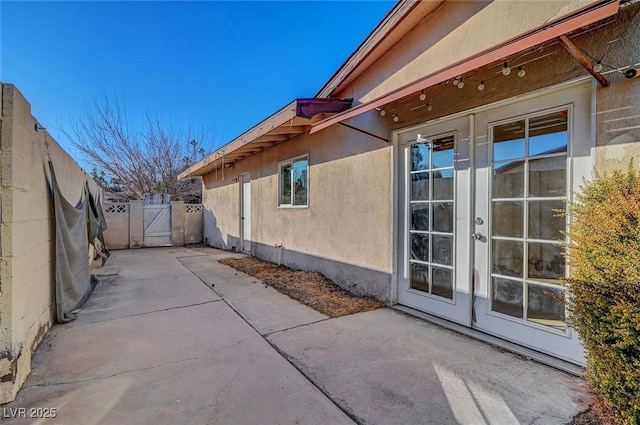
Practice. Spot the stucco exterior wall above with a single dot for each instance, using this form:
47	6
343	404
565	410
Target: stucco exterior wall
221	200
454	31
345	231
617	108
618	126
27	235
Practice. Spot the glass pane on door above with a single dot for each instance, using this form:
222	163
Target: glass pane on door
545	305
431	215
528	196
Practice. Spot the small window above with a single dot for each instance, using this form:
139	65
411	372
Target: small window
293	182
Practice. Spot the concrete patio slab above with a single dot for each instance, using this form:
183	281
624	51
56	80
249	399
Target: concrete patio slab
226	281
128	288
157	262
269	314
388	368
263	307
157	346
185	364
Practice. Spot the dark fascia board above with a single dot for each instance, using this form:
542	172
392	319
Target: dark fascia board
308	108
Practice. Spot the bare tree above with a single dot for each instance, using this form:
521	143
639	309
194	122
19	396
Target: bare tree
137	162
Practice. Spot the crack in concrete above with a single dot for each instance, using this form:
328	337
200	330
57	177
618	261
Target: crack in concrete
152	277
544	416
295	327
309	376
340	404
124	372
223	390
145	313
190	256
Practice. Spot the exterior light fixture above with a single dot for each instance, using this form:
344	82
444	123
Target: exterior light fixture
429	107
481	85
456	81
395	118
597	67
382	112
521	72
422	95
505	69
460	83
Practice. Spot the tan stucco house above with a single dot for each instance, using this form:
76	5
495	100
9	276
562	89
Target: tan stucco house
426	172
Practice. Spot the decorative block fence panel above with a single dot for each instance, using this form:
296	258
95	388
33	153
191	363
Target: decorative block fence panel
193	223
117	233
126	224
118	208
193	208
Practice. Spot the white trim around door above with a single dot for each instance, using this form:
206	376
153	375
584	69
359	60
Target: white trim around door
506	169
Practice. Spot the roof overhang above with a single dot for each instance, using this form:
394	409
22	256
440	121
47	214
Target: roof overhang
294	119
551	30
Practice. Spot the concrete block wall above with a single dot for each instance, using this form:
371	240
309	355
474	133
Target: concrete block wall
136	224
177	223
27	235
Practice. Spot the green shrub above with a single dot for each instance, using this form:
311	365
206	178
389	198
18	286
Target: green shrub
604	287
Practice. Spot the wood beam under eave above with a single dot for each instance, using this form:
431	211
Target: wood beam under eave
299	121
583	60
296	129
266	143
270	138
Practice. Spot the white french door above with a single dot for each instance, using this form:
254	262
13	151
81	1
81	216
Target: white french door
479	229
434	209
530	157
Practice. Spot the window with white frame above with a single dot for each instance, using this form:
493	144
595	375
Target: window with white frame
293	182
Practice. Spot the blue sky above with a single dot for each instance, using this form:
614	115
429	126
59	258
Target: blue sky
224	65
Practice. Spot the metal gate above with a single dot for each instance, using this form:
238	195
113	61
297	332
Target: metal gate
157	225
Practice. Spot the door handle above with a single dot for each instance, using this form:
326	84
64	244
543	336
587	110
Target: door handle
477	236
